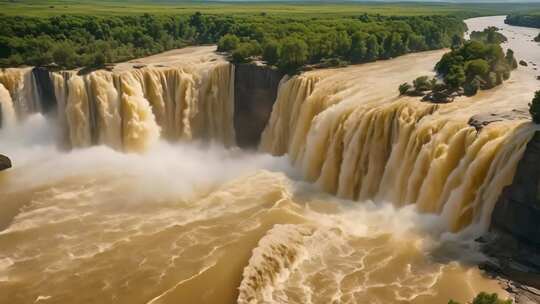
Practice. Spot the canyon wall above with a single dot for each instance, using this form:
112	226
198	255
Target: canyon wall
255	90
517	211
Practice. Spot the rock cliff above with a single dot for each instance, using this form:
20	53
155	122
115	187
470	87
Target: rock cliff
255	91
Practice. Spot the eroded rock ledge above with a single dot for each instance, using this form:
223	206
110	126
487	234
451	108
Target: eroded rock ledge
481	120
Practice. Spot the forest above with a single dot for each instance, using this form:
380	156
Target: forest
522	19
477	64
290	42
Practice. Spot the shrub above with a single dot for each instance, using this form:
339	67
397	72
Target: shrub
228	43
404	88
422	84
294	54
271	52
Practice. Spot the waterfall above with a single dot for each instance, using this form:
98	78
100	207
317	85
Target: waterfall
368	145
7	112
129	109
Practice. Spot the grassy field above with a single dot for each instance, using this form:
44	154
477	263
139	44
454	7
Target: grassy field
44	8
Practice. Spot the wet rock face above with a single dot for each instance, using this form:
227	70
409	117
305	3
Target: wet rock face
517	211
255	91
5	162
514	239
45	88
481	120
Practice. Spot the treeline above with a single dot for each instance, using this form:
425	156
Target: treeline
523	20
77	41
288	42
466	69
291	44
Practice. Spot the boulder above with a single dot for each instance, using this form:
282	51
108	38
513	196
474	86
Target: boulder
5	162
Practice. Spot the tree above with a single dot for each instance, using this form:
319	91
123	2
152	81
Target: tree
534	108
455	78
422	84
64	55
397	47
358	47
343	43
373	48
404	88
471	88
477	67
417	43
294	54
99	60
246	50
271	52
228	43
457	42
510	59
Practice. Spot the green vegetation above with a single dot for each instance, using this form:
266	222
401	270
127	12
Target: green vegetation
522	19
92	33
48	8
537	38
289	43
485	298
466	69
489	35
534	108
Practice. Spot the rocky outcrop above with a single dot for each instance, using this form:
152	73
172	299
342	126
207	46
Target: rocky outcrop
5	162
255	91
514	239
518	209
481	120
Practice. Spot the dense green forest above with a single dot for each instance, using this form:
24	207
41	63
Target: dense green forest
522	19
289	42
477	64
489	35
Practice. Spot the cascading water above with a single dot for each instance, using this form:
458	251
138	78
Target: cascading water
360	143
207	224
131	109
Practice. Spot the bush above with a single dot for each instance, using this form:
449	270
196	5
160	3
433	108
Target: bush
470	89
404	88
99	60
534	108
422	84
271	52
228	43
294	54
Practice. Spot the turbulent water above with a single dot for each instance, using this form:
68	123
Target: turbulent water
131	108
191	219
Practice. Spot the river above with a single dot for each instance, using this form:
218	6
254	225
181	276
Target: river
194	222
